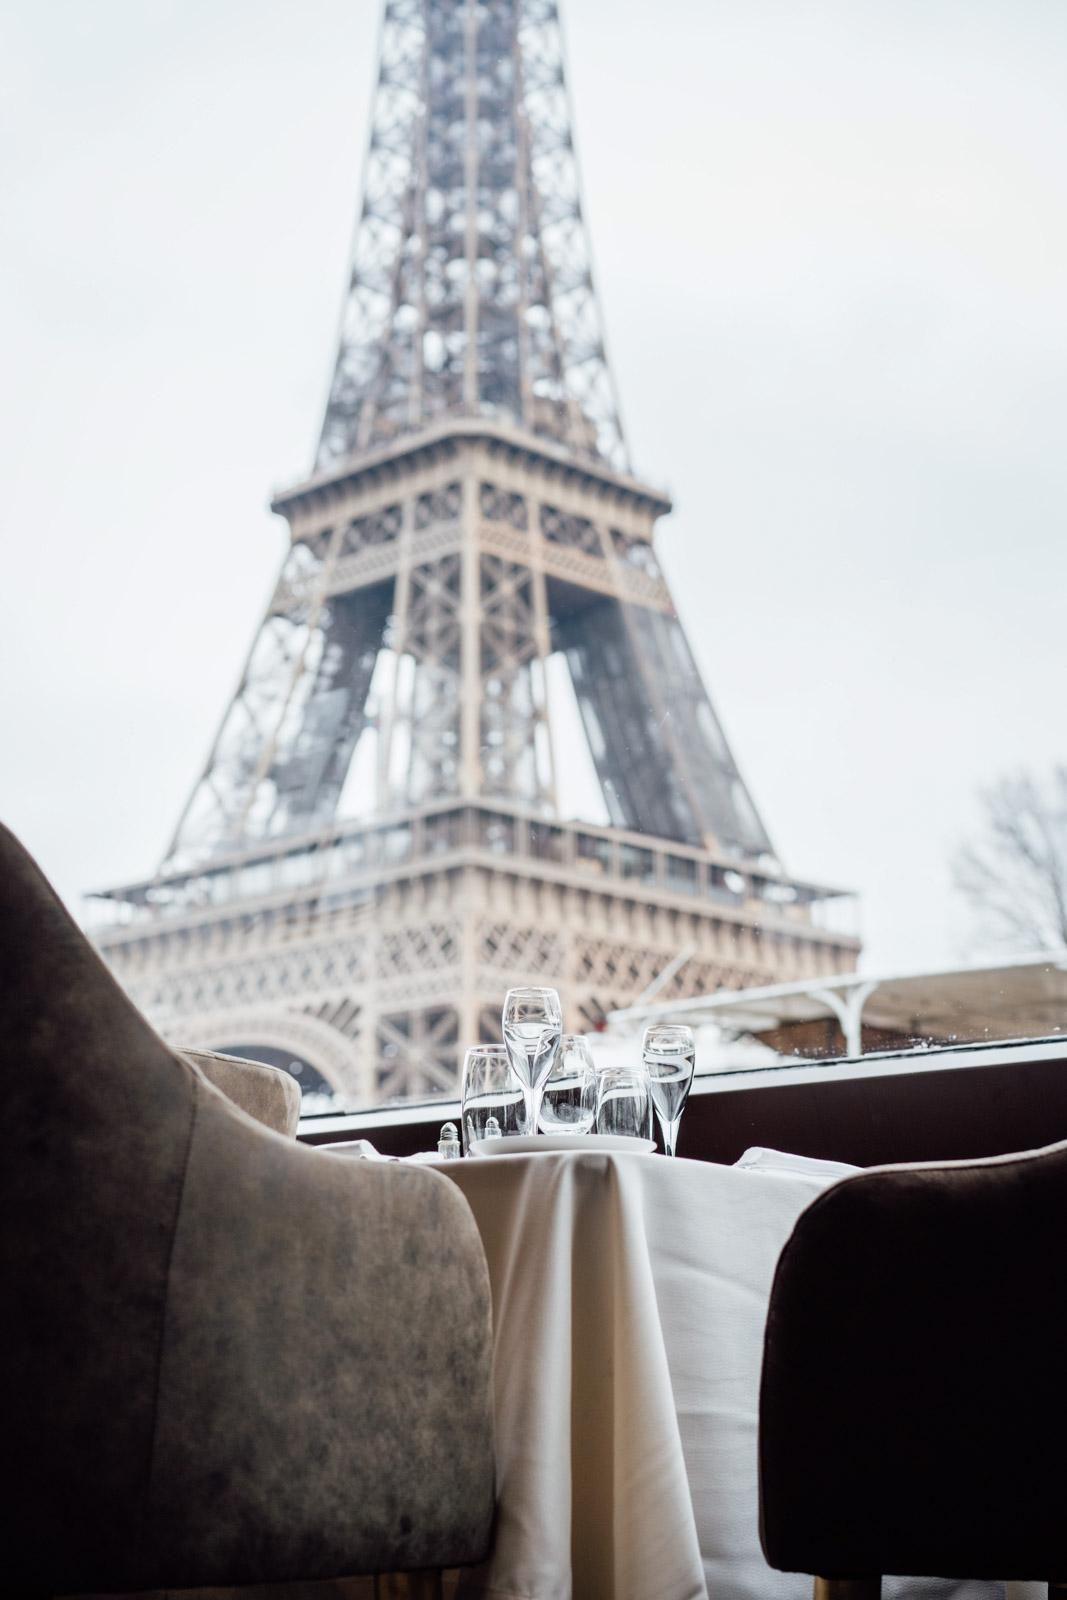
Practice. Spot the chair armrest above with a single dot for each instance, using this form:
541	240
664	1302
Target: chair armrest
266	1093
328	1324
914	1390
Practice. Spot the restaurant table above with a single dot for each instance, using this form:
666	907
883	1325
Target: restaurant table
629	1299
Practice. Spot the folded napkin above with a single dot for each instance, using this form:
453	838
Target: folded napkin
358	1149
363	1150
782	1161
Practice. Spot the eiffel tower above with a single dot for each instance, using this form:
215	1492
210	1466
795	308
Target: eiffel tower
375	849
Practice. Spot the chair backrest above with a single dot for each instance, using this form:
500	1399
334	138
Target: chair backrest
97	1127
266	1093
914	1387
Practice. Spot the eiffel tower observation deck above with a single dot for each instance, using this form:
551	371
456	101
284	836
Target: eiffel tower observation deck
375	849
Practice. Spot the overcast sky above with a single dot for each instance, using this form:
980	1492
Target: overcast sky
831	243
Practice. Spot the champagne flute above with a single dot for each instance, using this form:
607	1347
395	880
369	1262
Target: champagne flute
533	1026
569	1101
669	1056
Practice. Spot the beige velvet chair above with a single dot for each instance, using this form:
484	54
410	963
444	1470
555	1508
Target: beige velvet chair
266	1093
229	1359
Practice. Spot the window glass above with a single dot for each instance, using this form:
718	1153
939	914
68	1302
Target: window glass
595	853
637	863
443	831
476	702
496	832
681	874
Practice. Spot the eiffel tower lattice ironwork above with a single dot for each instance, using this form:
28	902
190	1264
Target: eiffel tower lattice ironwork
374	850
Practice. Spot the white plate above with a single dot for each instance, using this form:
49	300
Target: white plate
524	1144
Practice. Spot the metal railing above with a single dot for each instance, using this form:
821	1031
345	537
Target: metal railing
342	862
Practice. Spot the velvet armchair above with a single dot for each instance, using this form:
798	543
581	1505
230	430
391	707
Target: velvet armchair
228	1358
914	1392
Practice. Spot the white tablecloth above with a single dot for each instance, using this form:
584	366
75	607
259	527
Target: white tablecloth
629	1299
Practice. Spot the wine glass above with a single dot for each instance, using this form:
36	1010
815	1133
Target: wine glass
533	1026
669	1055
569	1101
490	1089
624	1104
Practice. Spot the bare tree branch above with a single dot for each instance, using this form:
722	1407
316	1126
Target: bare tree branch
1015	873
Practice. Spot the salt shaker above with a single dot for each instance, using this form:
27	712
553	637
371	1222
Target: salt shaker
492	1128
448	1147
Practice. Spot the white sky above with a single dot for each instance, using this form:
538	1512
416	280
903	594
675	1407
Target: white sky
831	242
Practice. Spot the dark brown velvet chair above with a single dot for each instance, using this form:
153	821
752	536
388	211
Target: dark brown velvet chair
227	1359
914	1395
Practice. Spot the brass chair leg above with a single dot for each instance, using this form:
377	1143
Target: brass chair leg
424	1585
848	1589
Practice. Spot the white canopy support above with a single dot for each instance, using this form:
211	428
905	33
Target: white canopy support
847	1007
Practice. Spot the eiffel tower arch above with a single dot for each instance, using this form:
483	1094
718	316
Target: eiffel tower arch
376	847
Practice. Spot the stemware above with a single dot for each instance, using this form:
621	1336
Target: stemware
532	1024
490	1090
669	1055
569	1101
624	1104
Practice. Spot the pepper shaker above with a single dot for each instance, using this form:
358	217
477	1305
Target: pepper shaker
448	1146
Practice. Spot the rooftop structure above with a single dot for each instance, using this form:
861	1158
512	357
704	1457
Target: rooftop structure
853	1013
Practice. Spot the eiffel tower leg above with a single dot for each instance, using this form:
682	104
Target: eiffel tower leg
470	697
385	776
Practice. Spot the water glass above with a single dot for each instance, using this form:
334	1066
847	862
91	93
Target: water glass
490	1089
624	1104
569	1101
532	1023
669	1055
